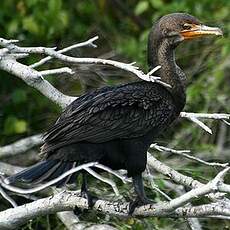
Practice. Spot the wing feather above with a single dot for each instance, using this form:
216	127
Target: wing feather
104	115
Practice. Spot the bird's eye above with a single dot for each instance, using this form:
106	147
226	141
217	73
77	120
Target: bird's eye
187	26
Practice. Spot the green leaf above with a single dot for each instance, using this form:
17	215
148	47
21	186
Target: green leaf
13	125
20	126
54	6
31	25
157	4
9	125
141	7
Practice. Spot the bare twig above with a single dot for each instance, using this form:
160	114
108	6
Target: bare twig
193	223
5	184
105	180
178	177
194	117
72	222
82	44
56	71
184	154
7	197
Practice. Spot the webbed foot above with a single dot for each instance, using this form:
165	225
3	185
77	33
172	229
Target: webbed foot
137	203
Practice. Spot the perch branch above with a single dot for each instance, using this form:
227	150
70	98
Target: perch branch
66	201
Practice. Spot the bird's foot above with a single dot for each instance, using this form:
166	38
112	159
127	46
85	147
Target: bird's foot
137	203
90	199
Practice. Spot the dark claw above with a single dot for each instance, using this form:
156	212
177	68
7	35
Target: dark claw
90	198
137	203
91	202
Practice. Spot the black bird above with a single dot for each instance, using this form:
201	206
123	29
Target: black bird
116	125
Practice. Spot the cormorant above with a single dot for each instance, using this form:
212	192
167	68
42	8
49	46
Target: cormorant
116	125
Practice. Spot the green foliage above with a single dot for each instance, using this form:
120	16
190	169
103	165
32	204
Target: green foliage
141	7
123	27
13	125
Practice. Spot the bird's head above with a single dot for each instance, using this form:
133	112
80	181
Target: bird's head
178	27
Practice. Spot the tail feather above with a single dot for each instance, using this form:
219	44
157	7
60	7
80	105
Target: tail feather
45	171
47	174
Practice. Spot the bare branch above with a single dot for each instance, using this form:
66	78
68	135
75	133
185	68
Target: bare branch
71	221
184	154
105	180
194	117
5	184
212	186
51	52
56	71
215	116
34	79
7	197
65	201
192	222
178	177
21	146
78	45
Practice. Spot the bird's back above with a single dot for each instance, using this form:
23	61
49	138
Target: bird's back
120	112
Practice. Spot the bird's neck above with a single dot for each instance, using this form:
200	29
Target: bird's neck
162	53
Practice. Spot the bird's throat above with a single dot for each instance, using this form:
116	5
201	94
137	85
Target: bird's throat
162	53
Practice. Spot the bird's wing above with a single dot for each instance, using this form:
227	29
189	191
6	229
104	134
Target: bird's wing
122	112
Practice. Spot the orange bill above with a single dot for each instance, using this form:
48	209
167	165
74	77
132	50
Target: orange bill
200	31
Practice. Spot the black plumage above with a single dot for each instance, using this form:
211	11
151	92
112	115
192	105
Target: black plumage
116	125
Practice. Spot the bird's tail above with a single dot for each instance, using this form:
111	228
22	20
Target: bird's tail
45	171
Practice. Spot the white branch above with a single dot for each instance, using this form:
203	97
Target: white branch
86	43
72	222
105	180
21	146
178	177
7	197
5	184
215	116
65	201
184	154
35	79
213	186
55	54
56	71
194	117
172	208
